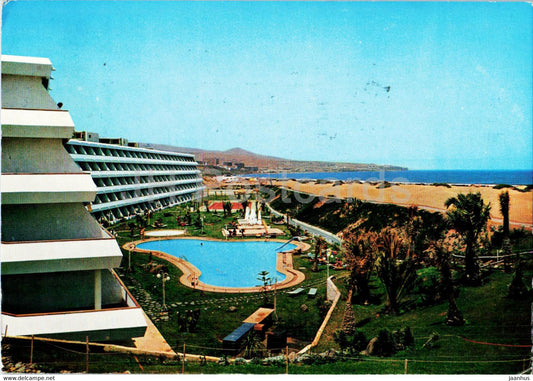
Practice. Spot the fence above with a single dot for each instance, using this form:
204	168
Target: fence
86	357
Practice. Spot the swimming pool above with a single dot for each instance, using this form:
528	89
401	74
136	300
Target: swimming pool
223	263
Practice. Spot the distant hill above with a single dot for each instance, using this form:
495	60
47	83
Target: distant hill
246	162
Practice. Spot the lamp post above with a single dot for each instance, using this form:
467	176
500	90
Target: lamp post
164	277
328	252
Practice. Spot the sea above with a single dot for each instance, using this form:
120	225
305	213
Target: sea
456	177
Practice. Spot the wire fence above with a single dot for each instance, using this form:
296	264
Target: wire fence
84	356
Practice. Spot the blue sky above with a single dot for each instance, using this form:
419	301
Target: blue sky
423	85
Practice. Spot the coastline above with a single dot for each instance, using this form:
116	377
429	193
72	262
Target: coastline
517	178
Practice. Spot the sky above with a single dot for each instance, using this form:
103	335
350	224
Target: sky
423	85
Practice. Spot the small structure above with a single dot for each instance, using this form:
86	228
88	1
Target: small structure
232	344
295	292
312	293
252	225
262	320
257	322
276	340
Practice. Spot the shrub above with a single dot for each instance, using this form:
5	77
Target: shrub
340	337
501	186
385	345
256	361
352	343
428	285
441	185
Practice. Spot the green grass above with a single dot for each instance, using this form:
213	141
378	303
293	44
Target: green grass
490	317
215	321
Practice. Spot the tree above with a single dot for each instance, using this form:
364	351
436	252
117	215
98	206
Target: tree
394	266
413	225
226	206
360	260
253	347
506	244
319	246
468	216
265	279
440	250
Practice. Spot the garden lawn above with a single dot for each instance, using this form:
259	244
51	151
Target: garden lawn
490	318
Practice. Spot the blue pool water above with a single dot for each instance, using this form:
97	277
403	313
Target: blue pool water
225	264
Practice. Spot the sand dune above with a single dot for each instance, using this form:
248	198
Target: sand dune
424	196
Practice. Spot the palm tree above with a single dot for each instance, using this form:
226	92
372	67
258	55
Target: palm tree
394	266
253	347
265	279
318	252
504	209
441	251
358	253
506	245
468	216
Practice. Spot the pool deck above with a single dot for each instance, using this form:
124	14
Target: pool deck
191	274
164	233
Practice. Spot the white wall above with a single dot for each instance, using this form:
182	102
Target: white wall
25	92
27	155
35	222
50	292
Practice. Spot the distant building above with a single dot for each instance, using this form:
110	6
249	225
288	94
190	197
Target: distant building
57	261
132	179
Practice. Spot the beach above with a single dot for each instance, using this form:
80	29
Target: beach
429	197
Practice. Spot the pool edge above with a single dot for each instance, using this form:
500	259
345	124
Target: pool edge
191	274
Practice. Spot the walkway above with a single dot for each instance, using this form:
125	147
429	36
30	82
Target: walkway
328	236
152	341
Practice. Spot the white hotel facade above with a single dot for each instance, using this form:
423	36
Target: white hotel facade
56	260
131	179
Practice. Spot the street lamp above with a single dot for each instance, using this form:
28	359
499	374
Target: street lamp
328	253
164	277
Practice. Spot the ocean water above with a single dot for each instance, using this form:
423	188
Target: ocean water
512	177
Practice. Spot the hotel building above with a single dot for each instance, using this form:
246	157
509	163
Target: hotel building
56	260
132	179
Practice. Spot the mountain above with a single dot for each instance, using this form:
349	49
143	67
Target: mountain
243	161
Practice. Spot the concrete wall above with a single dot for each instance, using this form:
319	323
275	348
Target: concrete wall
35	222
27	155
25	92
52	292
314	230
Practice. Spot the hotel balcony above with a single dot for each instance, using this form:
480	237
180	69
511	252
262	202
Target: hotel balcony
40	188
27	123
148	172
71	305
141	199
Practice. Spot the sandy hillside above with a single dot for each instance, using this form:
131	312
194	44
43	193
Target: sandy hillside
427	196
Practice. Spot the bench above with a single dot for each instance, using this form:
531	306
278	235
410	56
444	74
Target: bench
295	292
